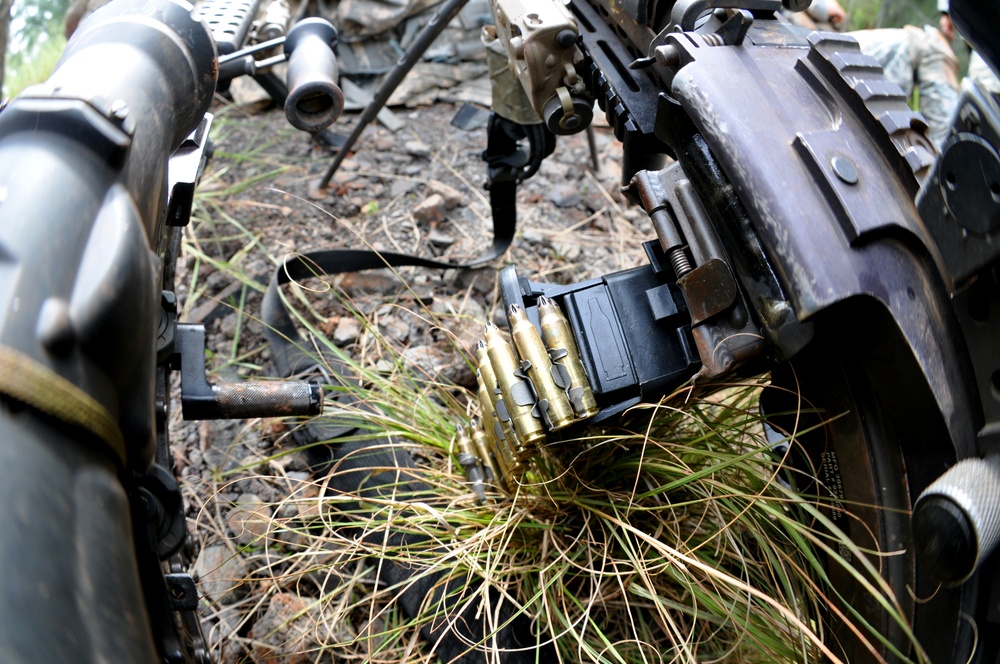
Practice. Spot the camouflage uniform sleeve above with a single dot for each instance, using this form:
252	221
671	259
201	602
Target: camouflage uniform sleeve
891	47
937	80
914	57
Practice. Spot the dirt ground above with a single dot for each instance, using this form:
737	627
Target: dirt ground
419	190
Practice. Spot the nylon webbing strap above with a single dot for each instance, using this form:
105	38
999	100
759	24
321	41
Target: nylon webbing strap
507	165
281	332
34	384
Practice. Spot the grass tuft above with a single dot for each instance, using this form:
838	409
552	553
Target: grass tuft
673	535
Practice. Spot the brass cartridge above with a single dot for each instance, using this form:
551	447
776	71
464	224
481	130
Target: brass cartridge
518	395
572	377
469	458
480	439
491	402
466	448
553	403
502	448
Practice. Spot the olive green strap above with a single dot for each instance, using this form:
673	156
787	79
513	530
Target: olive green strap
34	384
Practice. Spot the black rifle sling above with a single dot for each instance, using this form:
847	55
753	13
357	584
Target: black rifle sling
279	328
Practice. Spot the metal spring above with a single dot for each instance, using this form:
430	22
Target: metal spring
680	262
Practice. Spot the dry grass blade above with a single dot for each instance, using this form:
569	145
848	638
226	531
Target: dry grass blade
671	536
674	535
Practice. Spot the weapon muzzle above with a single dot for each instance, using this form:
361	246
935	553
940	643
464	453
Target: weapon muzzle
314	100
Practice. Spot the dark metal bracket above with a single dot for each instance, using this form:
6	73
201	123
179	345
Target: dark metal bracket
184	170
201	400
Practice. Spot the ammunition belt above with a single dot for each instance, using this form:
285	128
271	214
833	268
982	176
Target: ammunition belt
527	390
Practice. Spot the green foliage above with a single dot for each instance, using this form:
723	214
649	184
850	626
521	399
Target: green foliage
867	14
36	41
914	12
32	21
22	72
862	14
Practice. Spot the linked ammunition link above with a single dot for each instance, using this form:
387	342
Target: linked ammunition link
527	390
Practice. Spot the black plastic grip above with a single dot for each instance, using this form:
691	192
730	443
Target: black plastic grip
314	100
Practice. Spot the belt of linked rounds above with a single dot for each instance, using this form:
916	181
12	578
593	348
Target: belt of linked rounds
526	391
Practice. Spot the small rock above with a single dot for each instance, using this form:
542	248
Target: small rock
468	330
233	652
430	210
316	192
439	238
343	177
452	197
564	195
294	539
300	479
480	281
401	187
347	331
533	236
228	325
395	328
280	636
466	325
417	149
250	520
229	618
384	143
426	359
566	251
294	628
225	458
221	574
368	283
438	365
557	170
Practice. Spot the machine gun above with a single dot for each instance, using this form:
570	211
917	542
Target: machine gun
805	226
97	173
